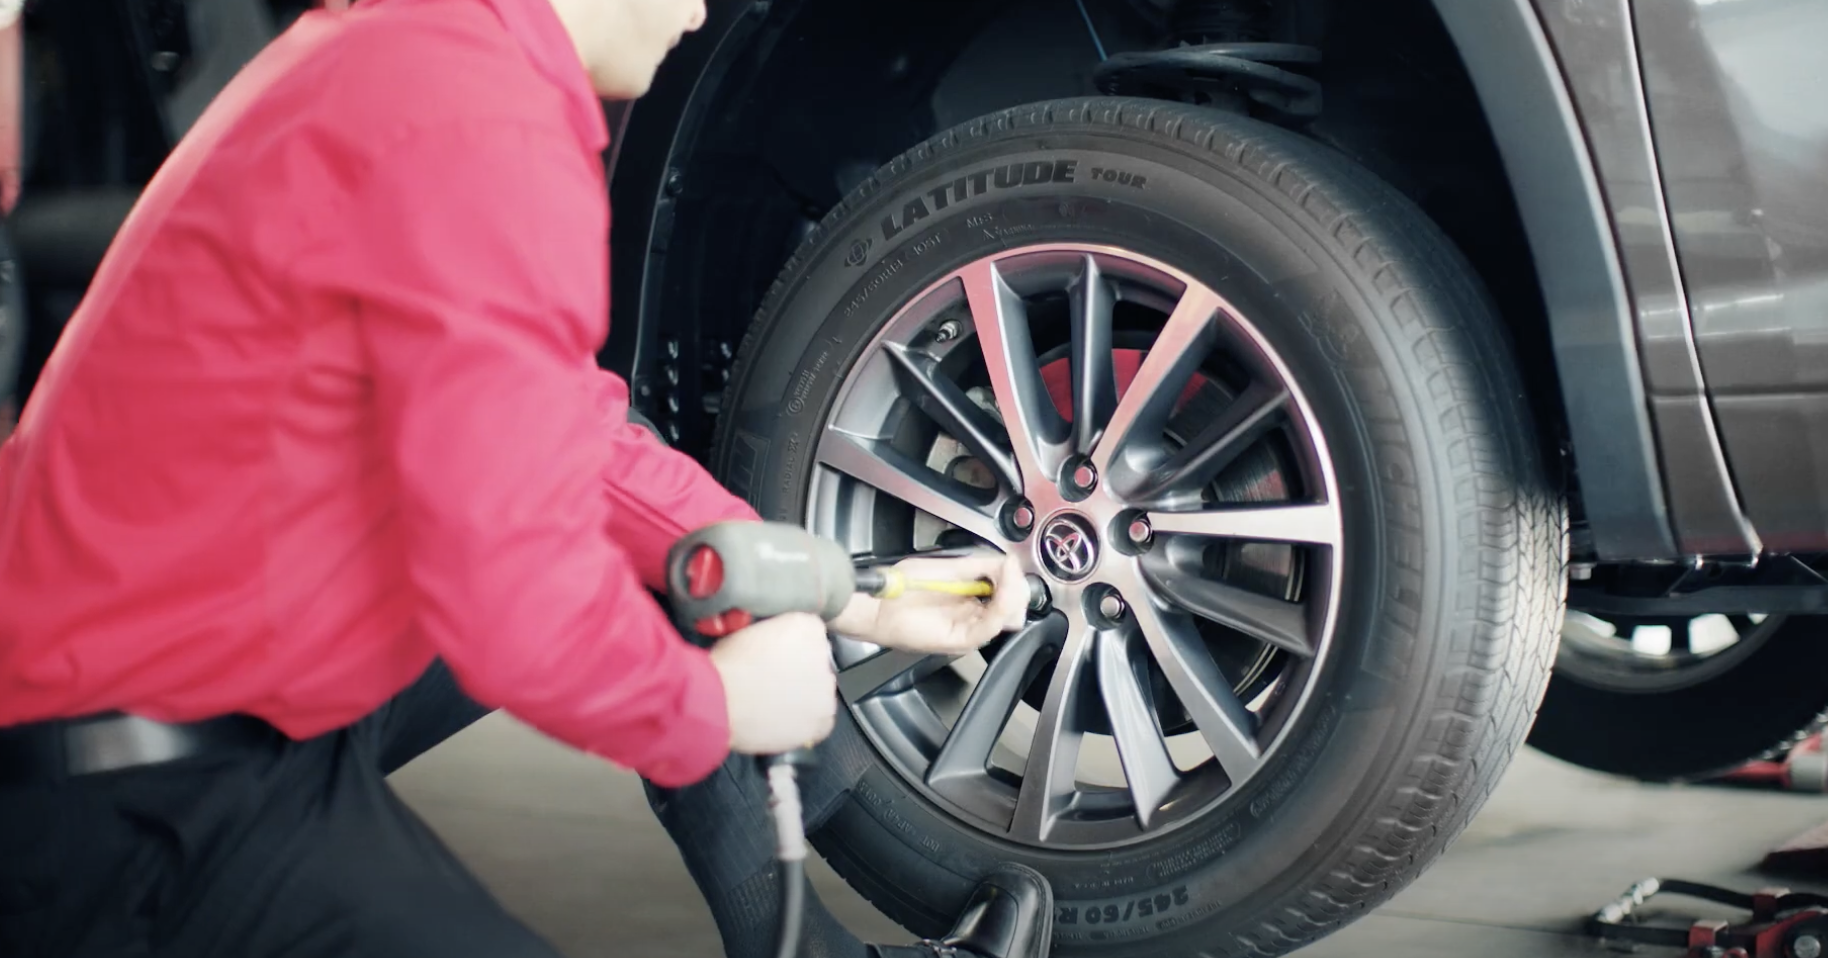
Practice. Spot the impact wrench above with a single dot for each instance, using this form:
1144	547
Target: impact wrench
731	575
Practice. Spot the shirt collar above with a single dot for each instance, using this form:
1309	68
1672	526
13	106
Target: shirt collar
535	25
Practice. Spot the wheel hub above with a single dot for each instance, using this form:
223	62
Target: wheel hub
1068	547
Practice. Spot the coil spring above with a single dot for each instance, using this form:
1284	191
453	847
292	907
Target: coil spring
1222	53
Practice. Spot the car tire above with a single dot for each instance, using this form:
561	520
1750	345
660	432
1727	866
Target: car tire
1453	534
1698	722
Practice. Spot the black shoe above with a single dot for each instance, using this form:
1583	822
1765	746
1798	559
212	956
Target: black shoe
1011	915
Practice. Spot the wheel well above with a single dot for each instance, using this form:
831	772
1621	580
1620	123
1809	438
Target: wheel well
821	92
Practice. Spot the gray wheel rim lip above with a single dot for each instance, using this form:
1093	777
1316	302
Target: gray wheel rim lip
1607	664
1315	459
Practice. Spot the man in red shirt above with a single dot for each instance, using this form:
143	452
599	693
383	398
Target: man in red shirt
328	425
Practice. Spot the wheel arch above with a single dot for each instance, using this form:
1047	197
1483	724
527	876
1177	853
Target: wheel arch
759	123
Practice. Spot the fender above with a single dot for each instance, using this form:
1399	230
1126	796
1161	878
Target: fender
1618	318
1533	121
1562	198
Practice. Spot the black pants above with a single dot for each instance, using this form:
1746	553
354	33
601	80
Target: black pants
303	851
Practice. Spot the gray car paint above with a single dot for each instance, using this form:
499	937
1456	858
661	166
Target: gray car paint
1591	325
1597	45
1738	95
1691	336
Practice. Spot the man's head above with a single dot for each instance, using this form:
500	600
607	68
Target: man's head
623	41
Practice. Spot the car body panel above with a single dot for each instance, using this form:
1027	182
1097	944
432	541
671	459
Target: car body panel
1578	263
1702	291
1597	44
1736	94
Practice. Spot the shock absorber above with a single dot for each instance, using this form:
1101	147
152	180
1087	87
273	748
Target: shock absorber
1195	22
1221	53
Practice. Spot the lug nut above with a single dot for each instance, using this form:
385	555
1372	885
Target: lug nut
1085	477
1039	600
1141	532
1023	518
1112	607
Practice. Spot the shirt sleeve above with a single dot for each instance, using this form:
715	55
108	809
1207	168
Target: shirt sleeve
477	258
656	493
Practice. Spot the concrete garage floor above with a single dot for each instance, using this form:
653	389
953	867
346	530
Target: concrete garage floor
568	844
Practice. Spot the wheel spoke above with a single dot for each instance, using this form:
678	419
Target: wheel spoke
1310	524
1142	414
877	464
965	756
1048	781
872	675
1094	372
1246	419
1227	726
1036	431
1147	768
965	420
1275	621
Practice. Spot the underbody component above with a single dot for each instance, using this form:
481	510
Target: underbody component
1220	71
1778	584
1222	56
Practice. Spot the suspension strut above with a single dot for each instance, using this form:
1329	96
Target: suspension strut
1221	21
1221	53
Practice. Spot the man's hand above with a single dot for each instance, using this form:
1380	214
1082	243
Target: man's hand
778	684
936	622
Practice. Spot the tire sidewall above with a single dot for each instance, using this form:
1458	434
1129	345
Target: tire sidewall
1326	781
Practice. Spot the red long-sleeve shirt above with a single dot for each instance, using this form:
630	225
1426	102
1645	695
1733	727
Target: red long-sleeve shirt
330	409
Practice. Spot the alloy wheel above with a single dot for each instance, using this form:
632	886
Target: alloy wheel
1655	654
1150	460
